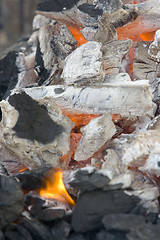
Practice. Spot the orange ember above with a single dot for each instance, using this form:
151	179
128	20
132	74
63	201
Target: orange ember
77	35
149	36
23	169
55	188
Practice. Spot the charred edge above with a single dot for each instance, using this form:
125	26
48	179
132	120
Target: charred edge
34	123
90	10
56	5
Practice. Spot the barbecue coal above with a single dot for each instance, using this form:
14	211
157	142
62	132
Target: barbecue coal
79	94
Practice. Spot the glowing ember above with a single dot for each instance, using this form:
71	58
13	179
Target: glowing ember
149	36
23	169
77	35
55	188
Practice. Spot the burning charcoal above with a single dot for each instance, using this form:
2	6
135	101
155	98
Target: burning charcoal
32	179
11	70
11	200
143	152
88	179
84	65
17	232
38	132
37	229
55	44
113	19
88	214
61	230
131	98
26	73
40	21
146	67
113	54
63	11
94	135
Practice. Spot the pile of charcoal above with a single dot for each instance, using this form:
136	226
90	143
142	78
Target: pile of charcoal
102	211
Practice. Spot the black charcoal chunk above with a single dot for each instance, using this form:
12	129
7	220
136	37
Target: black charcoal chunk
91	10
11	200
85	180
76	236
37	229
8	73
61	230
2	236
32	179
51	214
123	222
104	235
17	232
93	206
34	123
56	5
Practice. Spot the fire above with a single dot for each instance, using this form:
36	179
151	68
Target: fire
23	169
77	35
55	188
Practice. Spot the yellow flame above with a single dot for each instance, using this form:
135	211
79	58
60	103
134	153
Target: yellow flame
55	188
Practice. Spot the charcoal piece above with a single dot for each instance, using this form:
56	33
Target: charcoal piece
17	232
2	236
56	5
51	214
38	133
76	236
11	200
93	206
8	72
104	235
88	179
91	10
32	179
61	230
27	125
124	222
37	229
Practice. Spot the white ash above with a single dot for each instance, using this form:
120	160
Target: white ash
40	21
94	135
154	48
34	151
84	65
125	98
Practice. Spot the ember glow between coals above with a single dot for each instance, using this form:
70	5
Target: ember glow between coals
77	36
55	188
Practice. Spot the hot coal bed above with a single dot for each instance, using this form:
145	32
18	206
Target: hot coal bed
80	111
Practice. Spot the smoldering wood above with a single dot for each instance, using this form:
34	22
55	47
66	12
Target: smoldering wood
113	55
55	44
11	201
38	146
145	67
84	65
104	129
126	98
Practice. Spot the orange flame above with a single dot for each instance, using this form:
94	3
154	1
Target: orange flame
77	35
55	188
